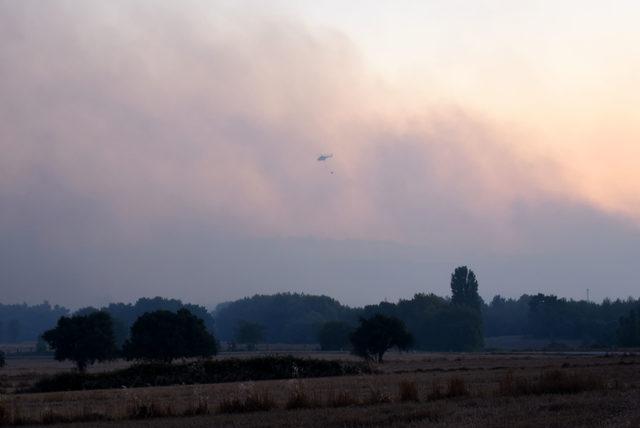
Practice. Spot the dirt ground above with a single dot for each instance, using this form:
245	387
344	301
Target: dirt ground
372	400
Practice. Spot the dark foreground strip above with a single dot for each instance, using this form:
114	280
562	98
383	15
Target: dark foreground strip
200	372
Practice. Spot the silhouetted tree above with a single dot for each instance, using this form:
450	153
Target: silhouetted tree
249	333
2	360
464	288
464	319
83	339
334	336
378	334
166	336
125	314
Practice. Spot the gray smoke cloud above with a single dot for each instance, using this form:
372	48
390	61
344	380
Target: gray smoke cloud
151	148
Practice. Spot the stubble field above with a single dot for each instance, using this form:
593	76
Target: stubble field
416	389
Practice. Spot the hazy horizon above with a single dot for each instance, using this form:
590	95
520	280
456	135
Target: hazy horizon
164	148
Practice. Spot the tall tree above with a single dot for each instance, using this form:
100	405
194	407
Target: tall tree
464	288
83	339
465	316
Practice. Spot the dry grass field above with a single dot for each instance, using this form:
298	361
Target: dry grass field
417	389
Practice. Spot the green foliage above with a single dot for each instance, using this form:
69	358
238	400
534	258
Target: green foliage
166	336
83	339
250	333
200	372
334	336
376	335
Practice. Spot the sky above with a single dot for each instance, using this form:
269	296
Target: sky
170	148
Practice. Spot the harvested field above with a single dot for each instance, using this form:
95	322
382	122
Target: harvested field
411	390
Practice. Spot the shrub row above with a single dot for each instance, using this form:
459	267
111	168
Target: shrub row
208	371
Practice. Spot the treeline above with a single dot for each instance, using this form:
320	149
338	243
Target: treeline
21	323
458	322
435	323
159	335
550	317
284	317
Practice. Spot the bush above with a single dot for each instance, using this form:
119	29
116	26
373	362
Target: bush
210	371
